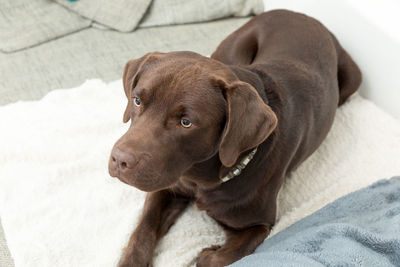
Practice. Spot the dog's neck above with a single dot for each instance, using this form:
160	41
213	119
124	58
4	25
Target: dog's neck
235	171
211	173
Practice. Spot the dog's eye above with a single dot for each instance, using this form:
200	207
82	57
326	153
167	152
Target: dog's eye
137	101
186	123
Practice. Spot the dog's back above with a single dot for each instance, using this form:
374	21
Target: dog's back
283	37
302	62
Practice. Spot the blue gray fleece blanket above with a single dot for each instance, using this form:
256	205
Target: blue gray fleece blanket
360	229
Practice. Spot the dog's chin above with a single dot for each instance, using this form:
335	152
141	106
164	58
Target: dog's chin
143	187
146	185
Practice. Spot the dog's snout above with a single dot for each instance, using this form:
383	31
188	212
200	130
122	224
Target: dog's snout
122	159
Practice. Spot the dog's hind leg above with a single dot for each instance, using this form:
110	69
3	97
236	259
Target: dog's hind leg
238	51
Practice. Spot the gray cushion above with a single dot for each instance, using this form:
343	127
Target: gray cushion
122	15
25	23
168	12
92	53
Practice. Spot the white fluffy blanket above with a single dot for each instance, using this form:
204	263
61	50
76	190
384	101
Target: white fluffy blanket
59	207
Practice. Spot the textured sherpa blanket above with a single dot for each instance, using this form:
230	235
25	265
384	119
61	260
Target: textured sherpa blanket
360	229
26	23
59	207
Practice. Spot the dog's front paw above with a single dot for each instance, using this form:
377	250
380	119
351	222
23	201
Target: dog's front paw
210	257
134	260
134	263
129	264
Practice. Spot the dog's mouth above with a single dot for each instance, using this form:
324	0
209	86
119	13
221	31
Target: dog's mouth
116	174
145	180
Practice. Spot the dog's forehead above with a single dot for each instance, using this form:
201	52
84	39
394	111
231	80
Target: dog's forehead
173	86
177	79
188	65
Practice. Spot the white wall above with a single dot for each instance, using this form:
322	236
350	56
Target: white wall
370	31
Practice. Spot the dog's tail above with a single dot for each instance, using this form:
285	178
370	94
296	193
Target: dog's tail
349	75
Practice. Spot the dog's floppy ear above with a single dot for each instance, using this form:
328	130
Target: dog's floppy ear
249	121
130	76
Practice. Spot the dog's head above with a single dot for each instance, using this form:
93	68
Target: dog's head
184	108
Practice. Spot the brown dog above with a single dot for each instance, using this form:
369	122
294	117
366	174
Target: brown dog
225	131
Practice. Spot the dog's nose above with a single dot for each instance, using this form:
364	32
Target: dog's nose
122	159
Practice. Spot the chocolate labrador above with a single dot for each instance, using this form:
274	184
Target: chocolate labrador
224	131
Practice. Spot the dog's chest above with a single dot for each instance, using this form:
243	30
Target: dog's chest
205	197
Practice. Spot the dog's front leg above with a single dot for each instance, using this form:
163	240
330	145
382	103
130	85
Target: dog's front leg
159	212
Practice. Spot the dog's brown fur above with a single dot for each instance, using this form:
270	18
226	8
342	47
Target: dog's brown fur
274	84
